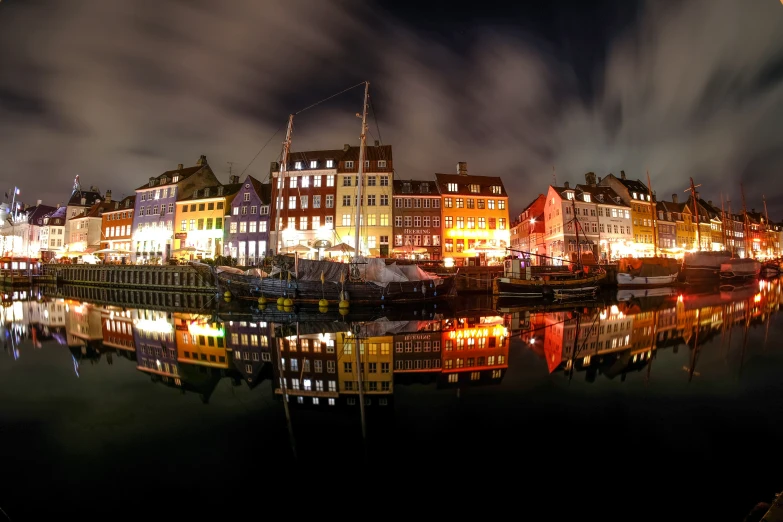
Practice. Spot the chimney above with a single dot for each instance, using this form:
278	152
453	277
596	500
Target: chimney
233	179
202	160
38	203
674	198
346	147
107	198
180	166
590	178
622	174
462	168
377	143
709	202
59	205
84	201
566	185
599	179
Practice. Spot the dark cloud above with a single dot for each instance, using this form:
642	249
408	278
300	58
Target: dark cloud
119	91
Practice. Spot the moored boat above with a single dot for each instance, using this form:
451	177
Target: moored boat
558	282
647	272
704	267
369	281
770	270
740	268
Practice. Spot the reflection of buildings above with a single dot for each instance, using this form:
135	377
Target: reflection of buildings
200	341
83	324
118	331
475	351
417	351
156	346
251	349
376	357
308	361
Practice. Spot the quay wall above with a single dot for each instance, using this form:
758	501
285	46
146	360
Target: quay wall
175	277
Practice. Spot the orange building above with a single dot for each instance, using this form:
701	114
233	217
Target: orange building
116	229
201	342
475	351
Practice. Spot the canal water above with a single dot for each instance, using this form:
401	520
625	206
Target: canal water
662	407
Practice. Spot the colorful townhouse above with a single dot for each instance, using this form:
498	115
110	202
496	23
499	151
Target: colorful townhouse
200	218
247	227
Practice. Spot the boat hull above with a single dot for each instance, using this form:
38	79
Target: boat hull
704	267
361	292
625	280
556	289
739	270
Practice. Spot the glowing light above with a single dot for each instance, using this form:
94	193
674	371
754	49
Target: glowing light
206	330
757	298
448	262
154	325
614	310
466	333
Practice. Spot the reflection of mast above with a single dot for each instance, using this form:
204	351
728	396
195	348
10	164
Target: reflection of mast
748	310
358	345
284	389
692	369
576	345
653	347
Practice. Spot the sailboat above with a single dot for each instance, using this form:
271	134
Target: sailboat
648	272
580	280
362	281
741	269
702	266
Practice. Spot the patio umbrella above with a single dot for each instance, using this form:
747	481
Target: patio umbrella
409	249
297	248
341	248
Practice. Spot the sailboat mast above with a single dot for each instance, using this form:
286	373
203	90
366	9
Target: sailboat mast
723	222
733	227
745	227
576	227
362	145
282	182
652	212
766	226
696	213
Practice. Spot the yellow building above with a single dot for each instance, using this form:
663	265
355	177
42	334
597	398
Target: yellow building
375	226
476	227
200	341
635	194
200	218
377	360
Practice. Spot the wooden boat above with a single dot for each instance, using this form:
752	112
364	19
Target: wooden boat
557	282
704	267
770	270
312	281
738	269
647	272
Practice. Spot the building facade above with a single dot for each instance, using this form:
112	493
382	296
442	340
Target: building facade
200	220
375	224
615	234
666	229
416	215
419	350
53	234
117	226
247	239
563	240
86	228
251	347
377	362
531	231
79	202
475	218
637	196
475	351
303	203
154	212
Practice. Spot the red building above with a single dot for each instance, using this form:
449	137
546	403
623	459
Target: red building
475	351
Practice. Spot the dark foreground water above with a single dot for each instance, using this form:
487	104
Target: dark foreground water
665	408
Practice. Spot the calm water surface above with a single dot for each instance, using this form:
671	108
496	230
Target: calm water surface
665	407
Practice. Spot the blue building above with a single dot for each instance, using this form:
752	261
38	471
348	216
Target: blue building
154	210
247	226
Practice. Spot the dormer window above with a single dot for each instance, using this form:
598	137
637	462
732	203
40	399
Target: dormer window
349	164
329	164
648	197
366	164
175	179
406	188
425	188
475	188
600	197
313	164
586	198
152	183
164	180
634	196
496	189
569	195
452	187
298	165
220	191
206	192
195	194
381	164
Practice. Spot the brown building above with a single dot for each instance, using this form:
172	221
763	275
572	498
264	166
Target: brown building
117	228
303	204
417	228
418	351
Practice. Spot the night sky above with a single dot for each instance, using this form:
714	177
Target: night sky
118	91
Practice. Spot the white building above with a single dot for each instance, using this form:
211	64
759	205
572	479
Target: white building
615	233
563	205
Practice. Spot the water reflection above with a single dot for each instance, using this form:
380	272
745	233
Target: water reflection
326	360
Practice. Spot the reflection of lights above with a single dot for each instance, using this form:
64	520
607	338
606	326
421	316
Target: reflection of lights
532	340
497	331
603	314
206	330
448	262
757	298
155	326
679	298
614	310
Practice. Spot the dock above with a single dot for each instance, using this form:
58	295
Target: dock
189	278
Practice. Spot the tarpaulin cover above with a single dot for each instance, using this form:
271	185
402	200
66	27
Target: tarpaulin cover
374	270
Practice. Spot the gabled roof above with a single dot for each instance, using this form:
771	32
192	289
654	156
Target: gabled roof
411	187
602	195
465	181
264	190
89	195
36	214
124	204
578	193
167	178
228	190
634	185
306	156
96	210
371	153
